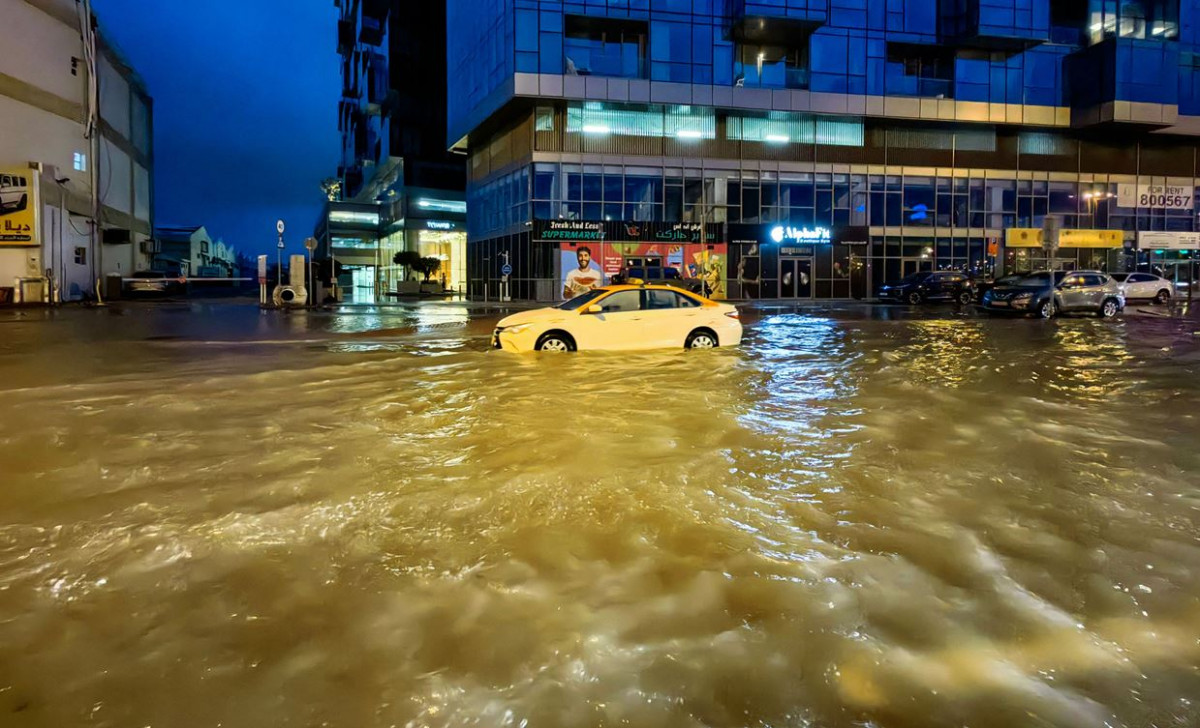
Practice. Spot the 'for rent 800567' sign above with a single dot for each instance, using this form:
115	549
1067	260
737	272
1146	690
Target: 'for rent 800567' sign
1168	197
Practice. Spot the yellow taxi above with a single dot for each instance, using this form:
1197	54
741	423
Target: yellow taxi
623	318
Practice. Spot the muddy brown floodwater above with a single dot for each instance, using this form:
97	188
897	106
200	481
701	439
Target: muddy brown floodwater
848	522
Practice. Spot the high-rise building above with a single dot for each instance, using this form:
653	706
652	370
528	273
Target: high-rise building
817	148
76	155
400	188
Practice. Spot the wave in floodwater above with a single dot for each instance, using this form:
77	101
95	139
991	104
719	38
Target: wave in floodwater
845	523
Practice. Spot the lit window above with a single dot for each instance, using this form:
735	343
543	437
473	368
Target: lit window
80	162
443	205
367	218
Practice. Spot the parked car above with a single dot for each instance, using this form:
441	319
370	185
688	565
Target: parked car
622	317
14	192
944	285
982	286
659	275
1145	286
1048	294
151	283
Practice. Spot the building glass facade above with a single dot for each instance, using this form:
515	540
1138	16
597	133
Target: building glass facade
939	130
395	168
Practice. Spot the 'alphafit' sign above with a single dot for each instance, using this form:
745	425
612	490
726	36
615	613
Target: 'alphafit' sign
787	233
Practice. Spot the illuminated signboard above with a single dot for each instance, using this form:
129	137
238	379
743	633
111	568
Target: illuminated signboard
791	234
439	225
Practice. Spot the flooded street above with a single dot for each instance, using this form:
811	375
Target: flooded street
362	519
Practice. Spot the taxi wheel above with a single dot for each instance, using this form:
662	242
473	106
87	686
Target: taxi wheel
555	341
701	339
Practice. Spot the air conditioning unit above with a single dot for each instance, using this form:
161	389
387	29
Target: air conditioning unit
287	296
149	247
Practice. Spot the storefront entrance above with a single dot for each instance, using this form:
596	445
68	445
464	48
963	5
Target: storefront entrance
1181	272
908	266
795	277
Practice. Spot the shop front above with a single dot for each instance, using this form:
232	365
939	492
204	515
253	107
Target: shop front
1101	250
594	253
790	262
1172	255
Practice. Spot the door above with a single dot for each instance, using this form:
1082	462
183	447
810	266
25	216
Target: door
908	266
1179	276
1141	285
668	317
1093	290
1072	293
795	277
618	325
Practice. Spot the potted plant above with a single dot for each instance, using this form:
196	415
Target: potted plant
410	260
428	267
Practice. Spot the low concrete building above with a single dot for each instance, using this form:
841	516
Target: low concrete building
76	154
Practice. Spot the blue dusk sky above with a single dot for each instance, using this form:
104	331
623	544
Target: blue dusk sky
245	110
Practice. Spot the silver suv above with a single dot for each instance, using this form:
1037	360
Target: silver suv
1049	293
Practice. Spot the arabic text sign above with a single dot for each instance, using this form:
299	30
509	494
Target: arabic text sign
18	220
1167	197
1168	241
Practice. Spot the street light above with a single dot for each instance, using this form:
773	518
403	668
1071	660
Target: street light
1092	198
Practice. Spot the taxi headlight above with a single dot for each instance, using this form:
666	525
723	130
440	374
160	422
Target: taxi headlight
519	328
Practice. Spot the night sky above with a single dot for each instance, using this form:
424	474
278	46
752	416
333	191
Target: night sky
245	110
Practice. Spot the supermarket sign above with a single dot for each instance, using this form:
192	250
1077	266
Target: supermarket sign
1163	197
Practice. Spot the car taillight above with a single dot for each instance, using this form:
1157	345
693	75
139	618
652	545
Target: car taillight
733	314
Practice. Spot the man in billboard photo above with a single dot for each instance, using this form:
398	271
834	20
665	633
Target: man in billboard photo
584	278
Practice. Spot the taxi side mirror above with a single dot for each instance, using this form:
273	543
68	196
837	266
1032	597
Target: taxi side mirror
594	308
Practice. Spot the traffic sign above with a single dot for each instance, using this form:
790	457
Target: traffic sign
311	244
506	270
281	242
279	226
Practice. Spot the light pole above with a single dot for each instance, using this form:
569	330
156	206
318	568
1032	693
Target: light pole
310	244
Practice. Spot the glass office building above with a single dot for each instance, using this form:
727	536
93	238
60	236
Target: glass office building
817	148
398	187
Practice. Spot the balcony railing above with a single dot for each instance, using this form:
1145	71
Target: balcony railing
617	60
771	76
934	88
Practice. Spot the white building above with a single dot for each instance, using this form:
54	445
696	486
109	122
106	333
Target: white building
76	158
191	252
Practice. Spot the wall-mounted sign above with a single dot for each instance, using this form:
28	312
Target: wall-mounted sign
1168	241
1166	197
18	207
439	225
793	234
558	231
567	230
1032	238
798	235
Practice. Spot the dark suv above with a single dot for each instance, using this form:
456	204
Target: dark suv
943	285
1047	294
660	275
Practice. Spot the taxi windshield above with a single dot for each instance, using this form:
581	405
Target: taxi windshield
581	300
